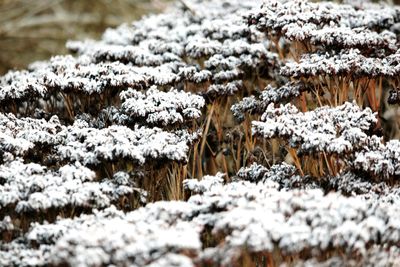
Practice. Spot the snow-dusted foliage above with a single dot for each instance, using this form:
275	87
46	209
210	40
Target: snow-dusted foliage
240	214
18	136
32	188
269	95
229	88
92	146
288	178
284	174
341	130
280	17
381	160
161	108
67	73
219	133
19	85
341	37
203	185
342	63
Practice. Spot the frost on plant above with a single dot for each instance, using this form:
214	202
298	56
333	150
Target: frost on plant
218	133
160	108
270	94
240	214
339	130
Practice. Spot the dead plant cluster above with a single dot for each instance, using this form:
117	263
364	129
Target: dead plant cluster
221	133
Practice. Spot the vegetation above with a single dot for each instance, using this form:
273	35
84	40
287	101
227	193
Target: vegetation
220	133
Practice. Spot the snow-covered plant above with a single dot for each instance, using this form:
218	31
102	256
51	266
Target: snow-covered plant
280	17
226	89
19	85
91	146
203	185
345	51
345	63
32	188
270	94
219	133
238	218
284	174
161	108
288	178
380	160
339	131
22	136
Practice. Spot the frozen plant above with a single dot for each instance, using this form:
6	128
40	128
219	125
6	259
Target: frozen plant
31	187
18	136
226	89
270	94
91	146
343	63
380	160
241	217
161	108
276	17
341	130
145	116
203	185
19	85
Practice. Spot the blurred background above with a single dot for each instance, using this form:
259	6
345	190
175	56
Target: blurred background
33	30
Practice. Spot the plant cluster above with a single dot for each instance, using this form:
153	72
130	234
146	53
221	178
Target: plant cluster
219	220
220	133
